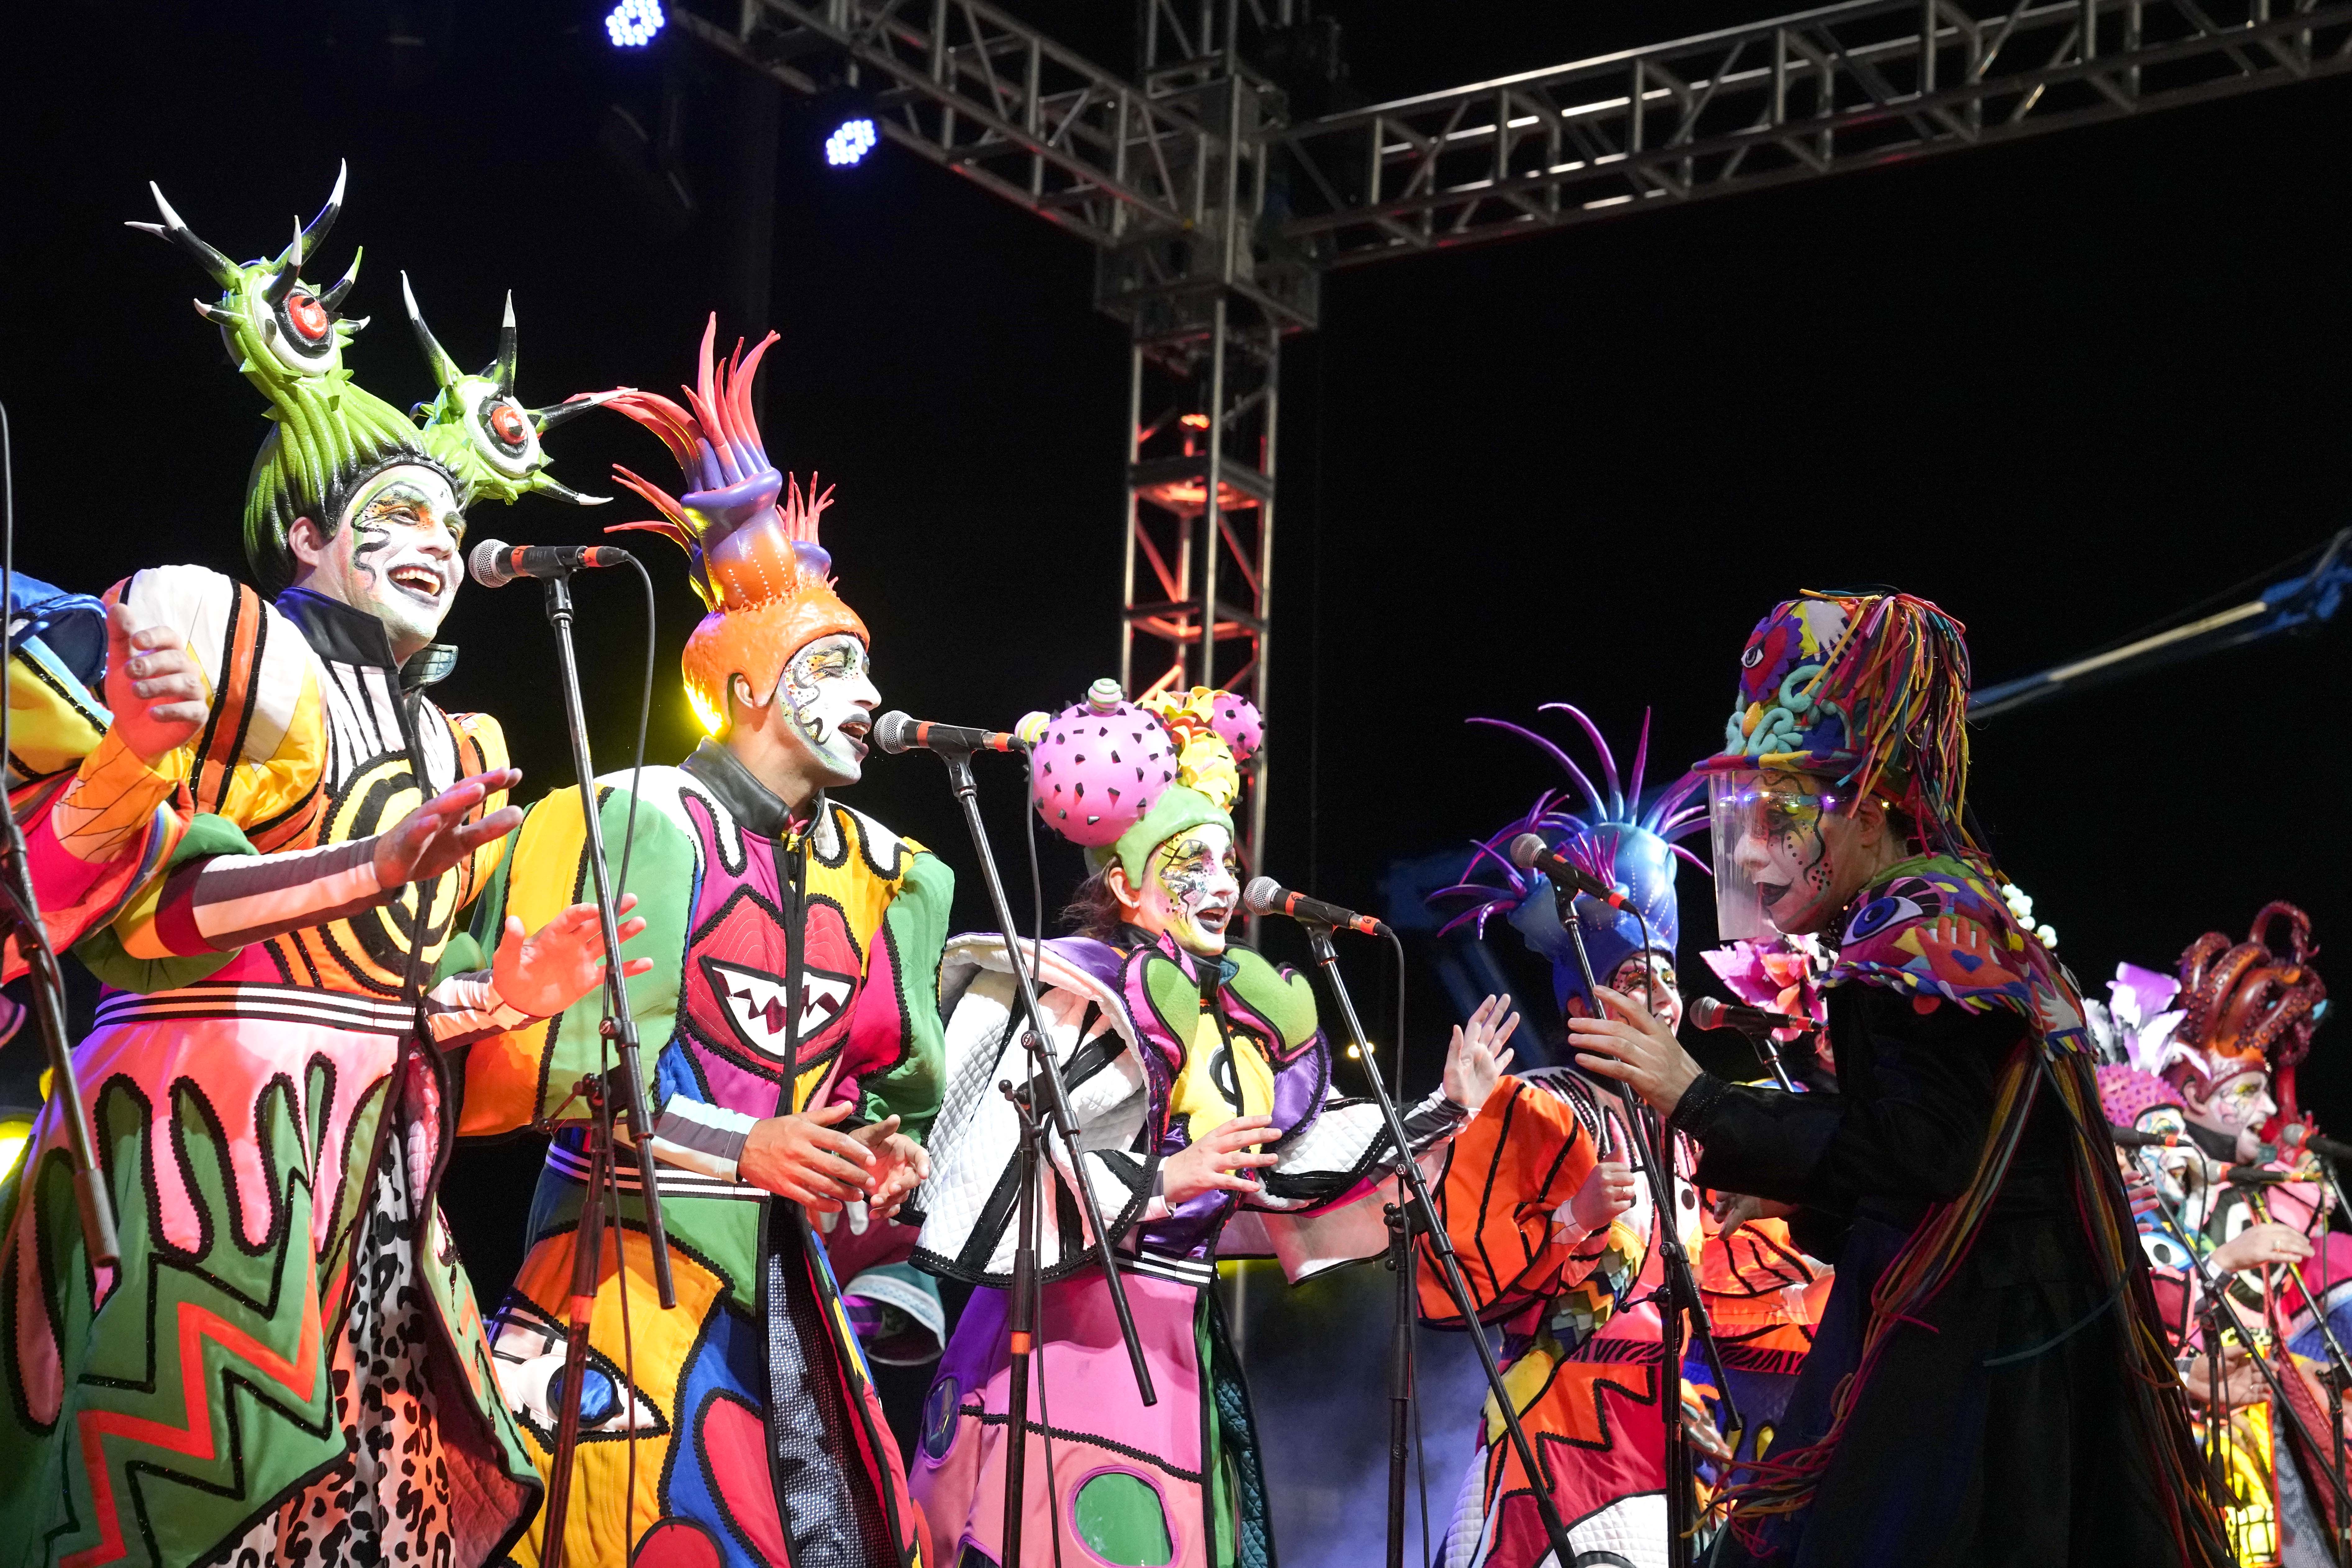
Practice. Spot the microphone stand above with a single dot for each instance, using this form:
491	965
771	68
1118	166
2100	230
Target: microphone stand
1422	1213
1046	1074
1654	1147
620	1027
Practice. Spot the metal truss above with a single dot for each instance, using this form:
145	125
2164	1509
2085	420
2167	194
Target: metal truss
1844	87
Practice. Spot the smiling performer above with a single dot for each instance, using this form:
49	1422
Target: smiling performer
1990	1381
289	1365
791	1030
1182	1052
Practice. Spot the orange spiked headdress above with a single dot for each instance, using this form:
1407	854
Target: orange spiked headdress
748	529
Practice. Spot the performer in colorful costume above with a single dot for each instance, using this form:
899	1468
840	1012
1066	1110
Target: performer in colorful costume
1576	1299
2192	1057
1990	1381
1181	1051
791	1027
288	1365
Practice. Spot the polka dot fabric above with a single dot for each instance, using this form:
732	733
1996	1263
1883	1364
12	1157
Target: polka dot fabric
1099	770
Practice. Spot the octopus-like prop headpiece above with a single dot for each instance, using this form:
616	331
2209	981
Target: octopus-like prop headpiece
749	533
1120	778
327	434
1868	689
2247	1006
1612	836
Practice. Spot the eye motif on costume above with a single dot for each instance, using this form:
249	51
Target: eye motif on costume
1887	910
502	429
306	319
758	1007
1752	658
527	1354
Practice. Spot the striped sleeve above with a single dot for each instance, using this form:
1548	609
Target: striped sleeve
464	1008
222	903
705	1139
1521	1159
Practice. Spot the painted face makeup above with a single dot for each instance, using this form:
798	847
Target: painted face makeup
395	554
1649	979
2237	1106
1192	889
828	692
1779	839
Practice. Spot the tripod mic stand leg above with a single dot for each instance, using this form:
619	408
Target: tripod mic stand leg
586	1262
1400	1388
1021	1329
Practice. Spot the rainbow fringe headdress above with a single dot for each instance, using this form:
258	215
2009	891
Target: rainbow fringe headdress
749	533
1868	689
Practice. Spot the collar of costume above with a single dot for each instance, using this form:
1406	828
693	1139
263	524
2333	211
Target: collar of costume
1118	778
1868	689
327	432
1606	830
1936	927
756	808
351	636
1166	990
749	530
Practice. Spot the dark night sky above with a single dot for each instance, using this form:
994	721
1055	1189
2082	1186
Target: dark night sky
2061	387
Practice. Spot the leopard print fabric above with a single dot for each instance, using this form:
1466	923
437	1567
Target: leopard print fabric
385	1503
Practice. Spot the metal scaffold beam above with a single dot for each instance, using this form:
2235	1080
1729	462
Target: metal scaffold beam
1845	87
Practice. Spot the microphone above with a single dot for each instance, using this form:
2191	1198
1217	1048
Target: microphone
895	732
1531	853
1264	896
1708	1013
2132	1138
2299	1136
494	562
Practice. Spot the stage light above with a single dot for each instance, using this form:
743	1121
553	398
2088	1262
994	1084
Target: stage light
632	24
851	140
15	1132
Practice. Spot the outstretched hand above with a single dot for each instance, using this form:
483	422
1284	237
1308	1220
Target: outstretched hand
546	972
436	835
900	1166
1635	1049
1476	1058
152	687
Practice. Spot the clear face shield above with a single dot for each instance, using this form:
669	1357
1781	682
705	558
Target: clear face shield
1769	854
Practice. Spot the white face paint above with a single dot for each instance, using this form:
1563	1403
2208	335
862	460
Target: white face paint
828	693
2237	1107
1648	978
1192	886
395	554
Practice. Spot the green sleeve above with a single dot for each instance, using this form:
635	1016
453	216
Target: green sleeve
914	927
102	952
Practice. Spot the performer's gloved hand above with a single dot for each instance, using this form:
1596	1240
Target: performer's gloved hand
900	1166
1607	1192
1219	1161
1733	1210
152	687
803	1159
436	835
2269	1242
1476	1058
543	973
1635	1049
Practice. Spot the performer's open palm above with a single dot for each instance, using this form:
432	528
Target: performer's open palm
1220	1161
437	835
1476	1057
543	973
899	1165
1635	1049
152	687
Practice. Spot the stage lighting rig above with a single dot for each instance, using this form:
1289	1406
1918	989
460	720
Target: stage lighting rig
845	125
632	24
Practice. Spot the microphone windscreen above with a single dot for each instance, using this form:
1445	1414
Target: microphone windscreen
1706	1012
894	731
1262	895
1525	848
482	564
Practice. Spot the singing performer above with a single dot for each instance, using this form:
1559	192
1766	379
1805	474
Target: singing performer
1990	1381
289	1365
791	1027
2201	1055
1202	1089
1559	1243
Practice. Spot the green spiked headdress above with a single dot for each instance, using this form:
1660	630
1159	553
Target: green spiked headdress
327	434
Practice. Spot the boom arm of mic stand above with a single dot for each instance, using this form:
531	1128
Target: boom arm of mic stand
1318	937
620	1024
1044	1069
20	906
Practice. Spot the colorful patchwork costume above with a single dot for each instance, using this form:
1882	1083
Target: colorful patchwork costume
288	1365
1990	1381
795	962
1159	1047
